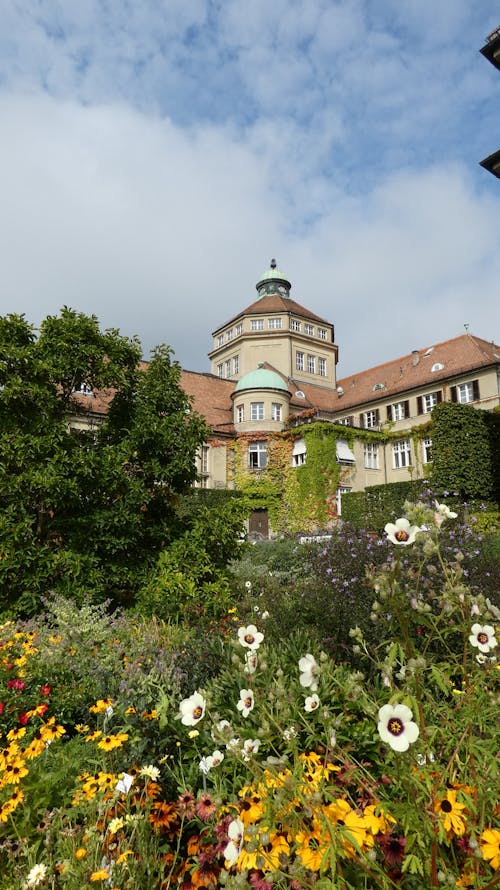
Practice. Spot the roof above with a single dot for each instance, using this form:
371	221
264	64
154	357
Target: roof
457	356
274	303
261	378
211	398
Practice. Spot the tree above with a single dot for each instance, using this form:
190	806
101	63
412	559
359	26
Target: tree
86	508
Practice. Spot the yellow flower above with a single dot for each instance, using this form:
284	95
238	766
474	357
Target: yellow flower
16	733
50	730
81	853
82	727
123	856
109	742
101	705
93	736
450	812
150	715
130	710
101	875
490	846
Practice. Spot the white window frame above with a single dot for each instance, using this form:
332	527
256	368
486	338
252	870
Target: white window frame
274	324
465	393
371	456
370	420
227	367
229	335
428	402
276	411
220	369
256	410
401	454
257	455
309	329
299	361
257	324
204	459
239	329
427	450
322	333
311	364
322	367
398	411
295	325
220	340
240	413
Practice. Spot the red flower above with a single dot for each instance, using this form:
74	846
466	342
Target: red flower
45	690
23	719
2	706
16	684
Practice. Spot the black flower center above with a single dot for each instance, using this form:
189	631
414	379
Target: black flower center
395	726
446	806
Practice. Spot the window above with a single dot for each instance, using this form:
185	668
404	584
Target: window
228	367
346	421
311	364
239	329
344	454
276	411
257	324
370	419
309	329
426	403
371	456
204	459
240	413
257	410
299	361
342	489
322	367
294	325
299	453
274	323
427	449
465	392
220	370
398	411
322	334
236	364
84	389
401	454
229	335
220	340
257	456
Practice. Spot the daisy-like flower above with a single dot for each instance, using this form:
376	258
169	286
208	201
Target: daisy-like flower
101	706
250	636
396	727
483	637
109	742
311	703
246	702
490	846
102	874
192	709
235	833
309	668
206	808
36	876
451	813
250	746
150	772
401	532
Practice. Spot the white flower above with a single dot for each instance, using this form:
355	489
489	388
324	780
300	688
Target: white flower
265	615
401	532
150	772
248	585
192	709
233	744
36	875
217	757
115	825
250	746
396	727
311	703
205	764
444	511
309	672
235	835
289	734
250	636
474	610
250	662
483	636
246	702
481	659
222	728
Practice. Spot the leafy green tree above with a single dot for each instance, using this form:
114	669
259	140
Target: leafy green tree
85	507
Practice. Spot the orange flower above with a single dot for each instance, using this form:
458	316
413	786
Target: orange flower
81	853
101	875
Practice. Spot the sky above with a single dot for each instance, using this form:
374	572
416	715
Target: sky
156	155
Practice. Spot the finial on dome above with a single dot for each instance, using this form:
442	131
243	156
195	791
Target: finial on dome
273	263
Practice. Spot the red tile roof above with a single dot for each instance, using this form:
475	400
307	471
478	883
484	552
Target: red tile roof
274	303
211	397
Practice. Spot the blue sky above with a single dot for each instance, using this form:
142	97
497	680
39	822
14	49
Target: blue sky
156	155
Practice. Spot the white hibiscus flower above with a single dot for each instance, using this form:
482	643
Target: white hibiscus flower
250	636
401	532
396	727
192	709
311	703
246	702
310	671
235	834
251	662
443	512
250	746
483	637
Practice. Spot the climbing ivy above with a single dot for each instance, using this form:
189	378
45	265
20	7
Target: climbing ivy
463	460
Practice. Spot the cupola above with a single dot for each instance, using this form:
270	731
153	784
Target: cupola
273	281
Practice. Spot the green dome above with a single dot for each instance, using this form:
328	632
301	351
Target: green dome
273	281
261	378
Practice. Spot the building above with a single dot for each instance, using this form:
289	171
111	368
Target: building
491	51
273	375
